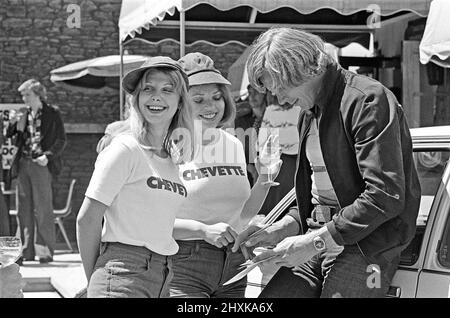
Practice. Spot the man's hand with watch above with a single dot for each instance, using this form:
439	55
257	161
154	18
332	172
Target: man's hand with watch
296	250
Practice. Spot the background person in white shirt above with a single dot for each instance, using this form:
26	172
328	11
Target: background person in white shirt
281	120
220	202
250	124
136	189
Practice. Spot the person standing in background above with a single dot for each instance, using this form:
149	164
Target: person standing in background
281	120
40	141
113	129
258	103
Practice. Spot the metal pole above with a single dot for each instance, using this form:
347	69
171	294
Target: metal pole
182	32
120	80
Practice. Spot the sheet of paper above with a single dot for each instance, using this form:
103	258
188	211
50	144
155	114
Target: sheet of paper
251	265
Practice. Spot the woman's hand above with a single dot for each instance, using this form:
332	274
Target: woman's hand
41	160
219	234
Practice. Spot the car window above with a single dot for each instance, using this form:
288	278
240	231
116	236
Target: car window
444	247
430	167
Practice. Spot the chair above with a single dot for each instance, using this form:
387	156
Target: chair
14	192
60	214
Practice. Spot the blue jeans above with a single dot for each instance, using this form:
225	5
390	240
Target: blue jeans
332	275
127	271
200	269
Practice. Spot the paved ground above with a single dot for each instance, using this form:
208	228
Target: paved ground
64	277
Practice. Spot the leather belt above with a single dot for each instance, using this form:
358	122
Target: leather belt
319	169
323	213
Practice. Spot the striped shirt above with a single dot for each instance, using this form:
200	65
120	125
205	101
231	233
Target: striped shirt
322	189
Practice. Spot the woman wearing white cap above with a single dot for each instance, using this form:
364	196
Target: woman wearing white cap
135	187
220	201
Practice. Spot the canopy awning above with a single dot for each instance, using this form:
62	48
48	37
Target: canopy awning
138	15
219	35
94	73
435	43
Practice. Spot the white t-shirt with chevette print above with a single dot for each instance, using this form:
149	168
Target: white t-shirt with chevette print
216	182
143	193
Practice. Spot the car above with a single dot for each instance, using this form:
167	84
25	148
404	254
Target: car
424	269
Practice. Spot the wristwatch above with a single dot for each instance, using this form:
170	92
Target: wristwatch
319	244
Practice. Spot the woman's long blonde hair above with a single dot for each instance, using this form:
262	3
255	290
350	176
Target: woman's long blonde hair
179	140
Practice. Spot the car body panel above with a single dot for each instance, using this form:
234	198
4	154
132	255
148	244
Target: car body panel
426	277
434	279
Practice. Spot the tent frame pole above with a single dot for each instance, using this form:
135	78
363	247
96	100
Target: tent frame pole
182	33
120	80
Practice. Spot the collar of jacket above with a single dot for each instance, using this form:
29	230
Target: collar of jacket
327	86
45	106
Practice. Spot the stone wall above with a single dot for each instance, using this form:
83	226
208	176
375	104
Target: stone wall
35	39
78	163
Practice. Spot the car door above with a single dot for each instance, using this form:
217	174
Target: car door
434	277
433	170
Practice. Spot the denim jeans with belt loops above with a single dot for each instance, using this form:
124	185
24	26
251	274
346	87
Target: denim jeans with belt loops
339	272
200	269
128	271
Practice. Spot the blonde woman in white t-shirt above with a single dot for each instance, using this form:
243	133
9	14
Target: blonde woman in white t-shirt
220	201
136	189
